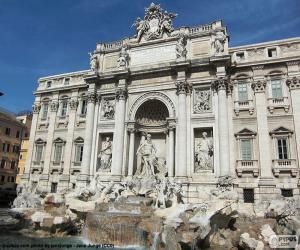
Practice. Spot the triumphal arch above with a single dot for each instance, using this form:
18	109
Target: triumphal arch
176	102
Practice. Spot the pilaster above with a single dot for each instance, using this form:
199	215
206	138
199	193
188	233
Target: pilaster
48	150
35	114
259	87
73	104
84	175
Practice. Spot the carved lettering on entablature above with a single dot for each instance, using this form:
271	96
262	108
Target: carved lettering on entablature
290	47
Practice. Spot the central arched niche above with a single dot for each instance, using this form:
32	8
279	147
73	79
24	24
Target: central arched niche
152	113
151	118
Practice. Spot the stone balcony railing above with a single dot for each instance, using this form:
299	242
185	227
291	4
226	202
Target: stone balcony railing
285	166
247	166
56	167
243	105
75	168
37	167
281	102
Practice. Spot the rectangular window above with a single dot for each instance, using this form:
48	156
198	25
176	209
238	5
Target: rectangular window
64	106
276	88
45	110
83	107
67	81
12	179
2	163
246	149
272	52
248	195
78	153
7	131
48	84
282	148
243	92
2	178
18	134
240	56
38	153
287	192
7	148
53	187
12	164
58	153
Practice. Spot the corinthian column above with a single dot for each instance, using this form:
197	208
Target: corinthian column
220	86
88	138
35	114
118	138
182	89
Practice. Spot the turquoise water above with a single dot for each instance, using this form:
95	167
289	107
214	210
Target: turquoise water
13	241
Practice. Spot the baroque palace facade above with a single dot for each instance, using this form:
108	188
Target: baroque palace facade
173	101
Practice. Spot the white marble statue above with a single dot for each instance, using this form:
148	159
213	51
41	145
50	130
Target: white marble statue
147	152
204	153
94	63
105	155
123	58
181	47
141	27
219	42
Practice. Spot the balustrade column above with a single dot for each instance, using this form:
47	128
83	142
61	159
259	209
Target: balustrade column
35	115
118	141
88	138
220	85
182	89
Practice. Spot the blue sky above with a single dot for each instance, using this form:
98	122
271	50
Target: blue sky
42	37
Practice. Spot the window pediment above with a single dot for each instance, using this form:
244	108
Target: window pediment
40	141
245	132
281	131
79	140
59	140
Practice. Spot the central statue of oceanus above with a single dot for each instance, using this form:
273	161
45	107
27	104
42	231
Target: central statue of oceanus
150	164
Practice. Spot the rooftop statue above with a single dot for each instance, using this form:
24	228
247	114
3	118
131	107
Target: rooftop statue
156	23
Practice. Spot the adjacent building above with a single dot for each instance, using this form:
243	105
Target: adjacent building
26	119
10	140
178	101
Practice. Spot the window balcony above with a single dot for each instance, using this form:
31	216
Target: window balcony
56	167
246	167
37	167
285	166
76	168
243	106
278	102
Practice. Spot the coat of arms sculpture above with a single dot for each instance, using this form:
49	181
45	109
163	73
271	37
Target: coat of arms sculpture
156	23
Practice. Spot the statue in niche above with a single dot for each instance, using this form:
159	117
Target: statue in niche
105	155
204	154
94	63
123	58
108	109
219	42
181	47
150	163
